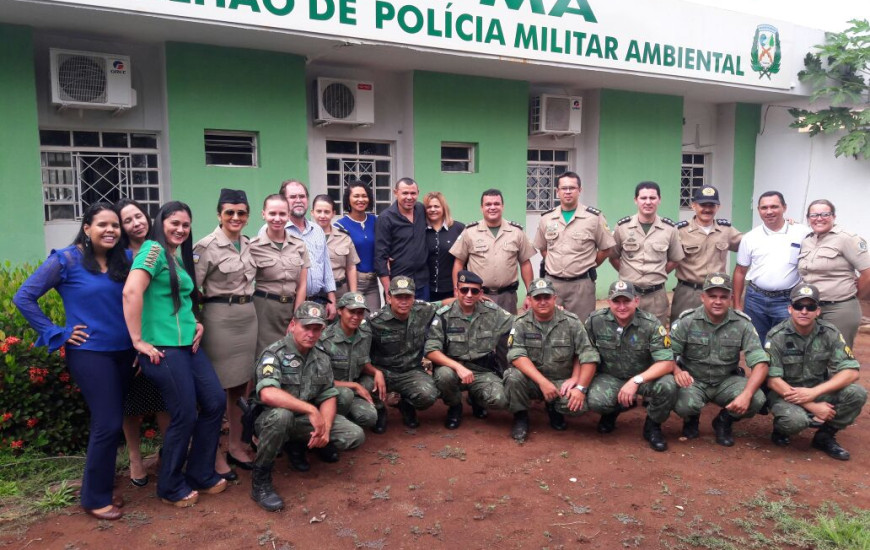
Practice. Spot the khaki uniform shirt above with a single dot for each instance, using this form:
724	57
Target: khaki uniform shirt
630	350
397	345
711	352
552	345
804	361
221	270
348	354
571	248
643	255
465	338
494	259
279	269
305	377
342	252
830	261
705	253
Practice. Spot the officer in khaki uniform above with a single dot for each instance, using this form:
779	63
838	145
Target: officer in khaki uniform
647	249
707	342
706	242
343	259
812	374
636	359
573	239
553	360
294	385
465	341
493	248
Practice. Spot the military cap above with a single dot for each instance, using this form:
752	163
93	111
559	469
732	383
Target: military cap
541	286
466	276
718	280
232	196
402	285
621	288
310	313
352	300
706	194
804	291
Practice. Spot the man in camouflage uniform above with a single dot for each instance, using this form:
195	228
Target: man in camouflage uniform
636	359
707	342
348	342
398	335
294	386
553	360
464	341
804	351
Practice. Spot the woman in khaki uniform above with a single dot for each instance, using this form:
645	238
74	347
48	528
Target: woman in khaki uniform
342	253
828	259
225	276
282	265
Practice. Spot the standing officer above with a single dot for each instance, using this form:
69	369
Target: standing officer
399	334
706	242
636	359
553	360
467	343
707	342
574	240
295	387
348	343
647	249
804	351
493	249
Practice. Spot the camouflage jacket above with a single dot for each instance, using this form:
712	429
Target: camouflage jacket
397	345
551	345
348	354
628	351
806	361
466	338
305	377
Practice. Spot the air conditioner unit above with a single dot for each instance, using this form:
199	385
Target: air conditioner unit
555	114
88	80
337	101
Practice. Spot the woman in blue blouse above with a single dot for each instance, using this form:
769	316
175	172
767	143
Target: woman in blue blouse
360	224
89	276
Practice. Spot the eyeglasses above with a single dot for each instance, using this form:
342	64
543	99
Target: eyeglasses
569	189
807	307
232	213
822	215
469	290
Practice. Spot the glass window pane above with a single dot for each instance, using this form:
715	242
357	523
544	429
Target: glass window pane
449	152
86	139
152	161
383	195
333	164
54	137
333	180
382	166
546	155
143	141
532	154
343	147
153	177
115	140
561	156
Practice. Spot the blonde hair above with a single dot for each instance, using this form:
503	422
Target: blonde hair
448	219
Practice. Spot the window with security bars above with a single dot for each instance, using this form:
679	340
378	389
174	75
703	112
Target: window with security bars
230	148
693	175
369	161
80	168
542	168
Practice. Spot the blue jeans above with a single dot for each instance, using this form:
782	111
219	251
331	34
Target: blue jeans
422	293
104	377
196	402
766	312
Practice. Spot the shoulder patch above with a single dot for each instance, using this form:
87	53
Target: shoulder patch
600	311
548	211
741	314
205	241
670	222
443	309
515	224
340	228
593	210
685	313
682	224
570	314
153	254
724	222
490	304
624	220
472	224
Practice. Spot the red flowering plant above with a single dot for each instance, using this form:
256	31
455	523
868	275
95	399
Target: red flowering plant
40	406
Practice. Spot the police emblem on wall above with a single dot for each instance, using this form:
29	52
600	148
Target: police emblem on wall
766	56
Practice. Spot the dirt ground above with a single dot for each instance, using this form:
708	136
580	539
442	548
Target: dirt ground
477	488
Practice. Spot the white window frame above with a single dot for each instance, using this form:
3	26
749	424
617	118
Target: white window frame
549	169
690	180
229	136
471	148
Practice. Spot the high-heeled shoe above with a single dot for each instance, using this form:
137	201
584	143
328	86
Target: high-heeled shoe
229	476
233	461
112	514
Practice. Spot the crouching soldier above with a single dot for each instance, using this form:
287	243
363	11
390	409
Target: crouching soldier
295	387
803	350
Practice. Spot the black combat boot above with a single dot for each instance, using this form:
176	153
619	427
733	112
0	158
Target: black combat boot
327	453
520	431
779	439
557	419
297	453
262	491
381	424
454	417
607	422
409	414
722	428
690	427
478	410
825	441
652	432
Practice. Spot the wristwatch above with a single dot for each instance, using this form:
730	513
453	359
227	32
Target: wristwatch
638	380
581	388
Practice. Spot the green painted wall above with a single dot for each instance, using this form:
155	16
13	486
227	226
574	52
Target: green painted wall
215	88
21	224
747	120
489	112
640	138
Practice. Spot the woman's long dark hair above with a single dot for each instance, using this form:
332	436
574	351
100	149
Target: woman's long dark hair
116	257
120	205
345	200
157	234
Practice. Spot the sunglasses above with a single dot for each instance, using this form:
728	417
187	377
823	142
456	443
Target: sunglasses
469	290
233	213
807	307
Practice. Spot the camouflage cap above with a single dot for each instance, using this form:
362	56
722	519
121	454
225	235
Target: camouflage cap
352	300
541	286
718	280
621	288
402	285
310	313
706	194
804	291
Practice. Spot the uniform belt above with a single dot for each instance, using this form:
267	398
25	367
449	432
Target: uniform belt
321	298
832	302
276	297
644	290
769	293
366	276
227	299
510	288
693	286
340	282
569	279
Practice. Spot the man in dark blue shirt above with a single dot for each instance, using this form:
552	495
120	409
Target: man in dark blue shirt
400	240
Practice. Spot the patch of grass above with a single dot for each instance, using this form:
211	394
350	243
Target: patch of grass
390	455
450	452
59	497
833	527
382	495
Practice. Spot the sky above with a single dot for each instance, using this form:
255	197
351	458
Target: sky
829	15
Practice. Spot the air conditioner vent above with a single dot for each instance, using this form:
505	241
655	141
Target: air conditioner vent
88	80
338	100
343	102
555	114
81	78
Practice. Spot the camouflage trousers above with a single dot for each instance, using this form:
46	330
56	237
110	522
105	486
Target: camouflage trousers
691	400
790	419
276	426
487	388
660	393
520	391
355	408
415	386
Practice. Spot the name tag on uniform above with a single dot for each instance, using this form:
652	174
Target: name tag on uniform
533	335
456	330
339	357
